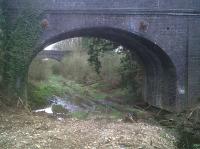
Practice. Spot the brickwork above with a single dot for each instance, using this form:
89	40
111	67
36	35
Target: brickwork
104	4
165	35
193	60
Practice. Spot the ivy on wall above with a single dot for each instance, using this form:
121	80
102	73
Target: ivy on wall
20	42
2	24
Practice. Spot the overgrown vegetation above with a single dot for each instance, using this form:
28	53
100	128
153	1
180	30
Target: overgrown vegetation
118	73
40	69
132	76
131	72
18	47
96	47
2	36
40	92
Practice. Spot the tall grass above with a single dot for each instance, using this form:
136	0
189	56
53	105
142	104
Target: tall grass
111	63
40	70
75	67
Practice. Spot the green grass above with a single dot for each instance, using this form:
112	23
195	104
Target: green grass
79	114
40	92
59	109
57	85
109	111
116	114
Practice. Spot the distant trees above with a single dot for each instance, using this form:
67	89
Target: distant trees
131	71
96	48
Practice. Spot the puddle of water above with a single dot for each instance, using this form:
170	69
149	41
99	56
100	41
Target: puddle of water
63	102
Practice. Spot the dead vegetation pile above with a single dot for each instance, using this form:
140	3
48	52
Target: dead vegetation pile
21	130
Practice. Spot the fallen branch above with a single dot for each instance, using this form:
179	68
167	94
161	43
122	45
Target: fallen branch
21	103
147	107
191	113
159	112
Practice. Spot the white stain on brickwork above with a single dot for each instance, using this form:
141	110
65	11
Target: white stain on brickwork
181	90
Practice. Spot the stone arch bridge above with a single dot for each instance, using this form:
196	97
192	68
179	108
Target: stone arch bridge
53	54
165	34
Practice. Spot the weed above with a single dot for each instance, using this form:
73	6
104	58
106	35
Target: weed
79	115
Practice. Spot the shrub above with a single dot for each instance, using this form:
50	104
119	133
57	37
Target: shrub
75	67
40	70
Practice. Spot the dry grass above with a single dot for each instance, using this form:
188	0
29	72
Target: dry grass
21	131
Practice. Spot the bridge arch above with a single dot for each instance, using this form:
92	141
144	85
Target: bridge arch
160	87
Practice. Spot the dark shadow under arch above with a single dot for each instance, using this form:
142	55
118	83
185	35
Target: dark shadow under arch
160	72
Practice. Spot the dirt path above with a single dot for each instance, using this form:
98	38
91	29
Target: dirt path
20	130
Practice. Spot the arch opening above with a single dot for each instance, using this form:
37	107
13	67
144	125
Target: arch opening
160	73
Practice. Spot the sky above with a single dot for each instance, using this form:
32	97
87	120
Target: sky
50	47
